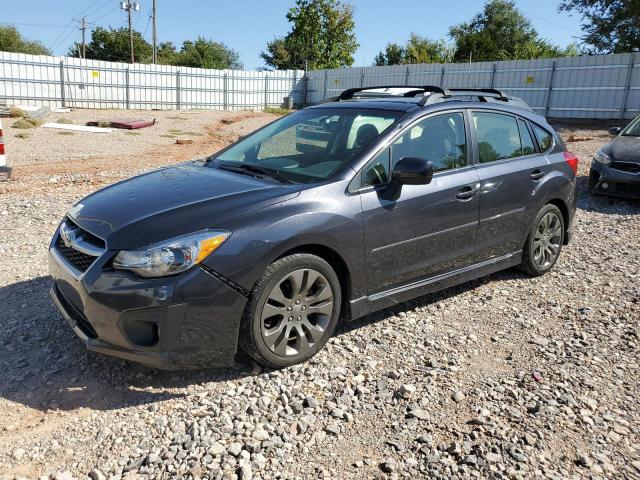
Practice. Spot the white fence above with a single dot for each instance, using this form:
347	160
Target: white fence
606	86
72	82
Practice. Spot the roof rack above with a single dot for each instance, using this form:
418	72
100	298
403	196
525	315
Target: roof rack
415	90
438	94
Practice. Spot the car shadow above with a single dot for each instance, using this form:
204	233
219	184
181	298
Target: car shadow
603	203
46	367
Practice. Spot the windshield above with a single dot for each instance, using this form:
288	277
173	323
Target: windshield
307	146
633	129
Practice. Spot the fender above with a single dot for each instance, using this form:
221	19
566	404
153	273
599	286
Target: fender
308	219
553	186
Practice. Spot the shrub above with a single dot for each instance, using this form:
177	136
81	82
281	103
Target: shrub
15	112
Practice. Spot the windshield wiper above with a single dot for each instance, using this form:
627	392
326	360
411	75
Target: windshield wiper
260	170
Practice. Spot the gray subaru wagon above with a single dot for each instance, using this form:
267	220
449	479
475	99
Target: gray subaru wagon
374	197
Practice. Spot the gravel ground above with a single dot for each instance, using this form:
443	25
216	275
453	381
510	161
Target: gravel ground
504	377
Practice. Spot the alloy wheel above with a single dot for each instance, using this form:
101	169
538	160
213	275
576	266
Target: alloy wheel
297	312
547	240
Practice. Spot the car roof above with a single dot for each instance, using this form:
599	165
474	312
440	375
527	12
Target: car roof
407	104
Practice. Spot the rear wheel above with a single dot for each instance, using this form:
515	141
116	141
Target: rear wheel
544	243
292	312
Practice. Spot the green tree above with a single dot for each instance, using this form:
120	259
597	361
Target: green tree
417	50
611	26
501	32
12	41
203	53
393	54
321	36
112	45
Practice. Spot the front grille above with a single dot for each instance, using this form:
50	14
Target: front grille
81	261
80	241
77	316
628	188
629	167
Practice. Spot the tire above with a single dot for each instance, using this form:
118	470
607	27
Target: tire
536	259
288	318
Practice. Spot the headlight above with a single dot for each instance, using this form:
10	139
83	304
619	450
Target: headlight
171	256
602	157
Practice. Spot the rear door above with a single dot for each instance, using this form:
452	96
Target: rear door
429	229
509	166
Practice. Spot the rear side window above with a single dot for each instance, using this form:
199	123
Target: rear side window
528	147
498	136
545	139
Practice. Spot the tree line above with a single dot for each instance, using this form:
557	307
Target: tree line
322	35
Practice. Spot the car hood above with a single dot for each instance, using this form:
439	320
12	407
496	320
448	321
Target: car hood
626	149
173	201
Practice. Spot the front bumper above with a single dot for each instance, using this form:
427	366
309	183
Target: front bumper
182	322
618	183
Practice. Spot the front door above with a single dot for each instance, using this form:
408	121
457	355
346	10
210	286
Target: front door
429	229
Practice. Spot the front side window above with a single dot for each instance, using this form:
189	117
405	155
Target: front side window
498	136
440	139
377	171
309	145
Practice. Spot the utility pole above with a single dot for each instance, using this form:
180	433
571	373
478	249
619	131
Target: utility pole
83	27
155	35
129	5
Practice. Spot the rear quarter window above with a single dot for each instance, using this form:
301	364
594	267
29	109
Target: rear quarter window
545	139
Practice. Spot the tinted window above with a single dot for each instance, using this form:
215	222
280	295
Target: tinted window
366	123
377	172
440	139
544	138
528	147
498	136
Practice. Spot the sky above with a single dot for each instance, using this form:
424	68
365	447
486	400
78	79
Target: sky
247	25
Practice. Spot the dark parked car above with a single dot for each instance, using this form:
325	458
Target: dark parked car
615	169
266	247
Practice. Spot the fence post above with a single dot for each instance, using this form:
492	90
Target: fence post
225	91
178	90
627	85
306	88
493	74
63	97
326	80
362	77
442	76
127	93
547	101
266	90
295	84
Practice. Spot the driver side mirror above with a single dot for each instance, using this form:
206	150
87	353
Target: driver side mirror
615	130
408	171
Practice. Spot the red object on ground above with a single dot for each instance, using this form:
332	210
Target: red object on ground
125	123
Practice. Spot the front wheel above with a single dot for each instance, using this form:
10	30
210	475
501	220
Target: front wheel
292	311
544	243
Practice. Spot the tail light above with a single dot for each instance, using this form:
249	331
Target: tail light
572	161
1	142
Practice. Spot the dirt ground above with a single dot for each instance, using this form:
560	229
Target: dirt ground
506	377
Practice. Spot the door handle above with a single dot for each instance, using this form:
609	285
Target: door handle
465	193
536	174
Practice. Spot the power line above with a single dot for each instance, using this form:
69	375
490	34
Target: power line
46	25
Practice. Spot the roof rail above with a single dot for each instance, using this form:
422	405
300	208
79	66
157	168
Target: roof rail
415	89
499	93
